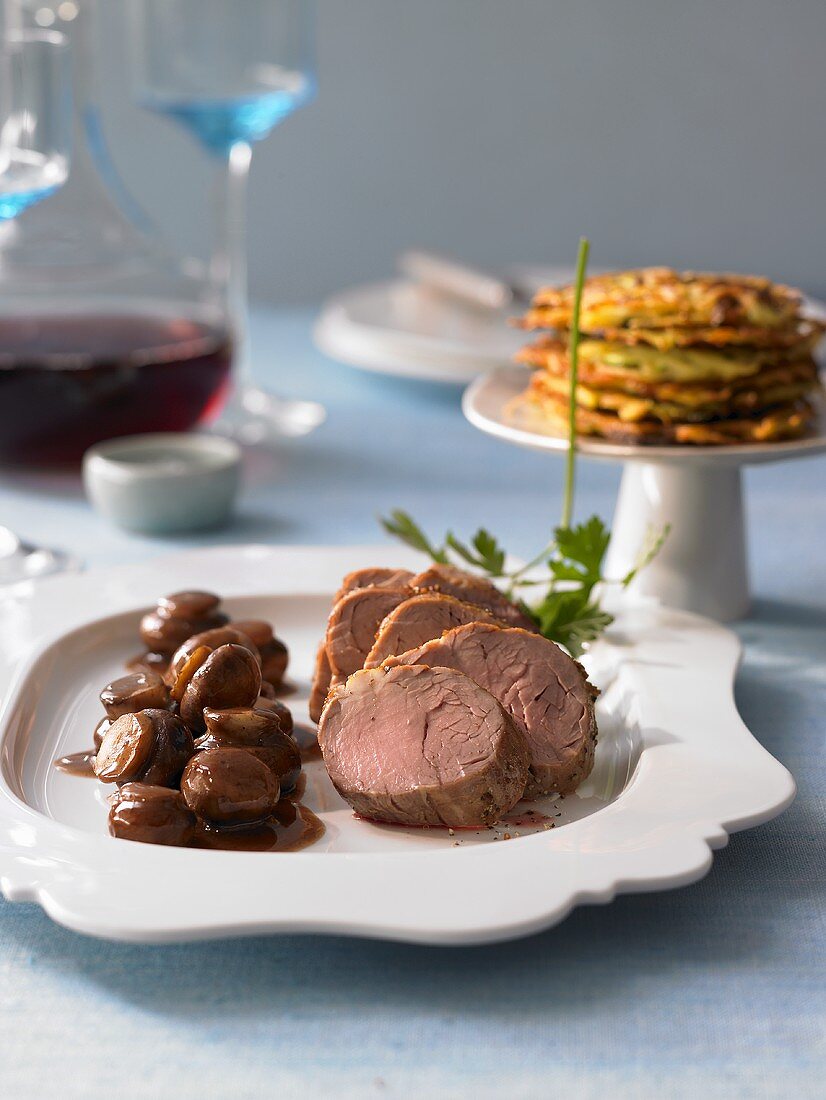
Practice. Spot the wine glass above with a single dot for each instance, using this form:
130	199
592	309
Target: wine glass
35	134
35	118
229	72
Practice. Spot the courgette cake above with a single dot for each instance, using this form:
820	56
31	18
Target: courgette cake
670	357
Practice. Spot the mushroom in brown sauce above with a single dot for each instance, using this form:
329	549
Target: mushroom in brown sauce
229	786
179	616
137	691
260	731
101	729
151	814
274	654
227	677
201	677
152	746
189	604
211	640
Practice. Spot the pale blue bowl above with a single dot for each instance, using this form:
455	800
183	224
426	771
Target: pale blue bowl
166	482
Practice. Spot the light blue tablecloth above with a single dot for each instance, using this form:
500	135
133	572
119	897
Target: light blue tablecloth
716	990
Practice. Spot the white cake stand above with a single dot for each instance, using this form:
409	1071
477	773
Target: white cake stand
698	490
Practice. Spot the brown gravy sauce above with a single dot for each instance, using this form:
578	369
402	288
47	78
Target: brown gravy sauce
148	662
293	825
77	763
290	828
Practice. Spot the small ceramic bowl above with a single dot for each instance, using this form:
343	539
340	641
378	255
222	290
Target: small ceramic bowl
164	482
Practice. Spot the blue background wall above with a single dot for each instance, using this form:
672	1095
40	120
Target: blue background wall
691	133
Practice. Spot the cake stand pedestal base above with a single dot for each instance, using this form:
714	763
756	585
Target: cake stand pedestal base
702	565
698	490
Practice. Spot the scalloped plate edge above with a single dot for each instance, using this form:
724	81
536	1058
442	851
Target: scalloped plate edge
57	873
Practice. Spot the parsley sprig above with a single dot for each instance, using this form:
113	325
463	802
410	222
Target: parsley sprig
569	611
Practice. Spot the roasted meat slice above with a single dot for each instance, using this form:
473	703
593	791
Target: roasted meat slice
420	619
546	693
374	576
322	677
465	586
422	746
354	623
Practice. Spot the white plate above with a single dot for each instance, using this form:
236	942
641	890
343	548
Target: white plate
403	329
676	772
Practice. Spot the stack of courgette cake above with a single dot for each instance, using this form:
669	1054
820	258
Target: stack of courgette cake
671	357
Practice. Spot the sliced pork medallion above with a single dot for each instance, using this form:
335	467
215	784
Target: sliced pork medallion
323	681
545	691
420	619
322	676
465	586
371	577
375	576
354	623
422	746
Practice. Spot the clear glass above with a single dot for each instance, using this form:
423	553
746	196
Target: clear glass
230	72
35	129
35	118
104	330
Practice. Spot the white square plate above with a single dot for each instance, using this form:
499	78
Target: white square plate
676	771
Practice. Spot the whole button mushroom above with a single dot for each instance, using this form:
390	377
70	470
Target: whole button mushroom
151	814
163	635
274	661
283	760
229	677
178	617
152	746
178	678
209	639
229	786
256	630
274	654
260	732
138	691
174	745
191	604
256	725
275	707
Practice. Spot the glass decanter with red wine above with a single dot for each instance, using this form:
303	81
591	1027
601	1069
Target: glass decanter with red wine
68	380
103	330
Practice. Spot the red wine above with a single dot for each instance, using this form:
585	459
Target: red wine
68	382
